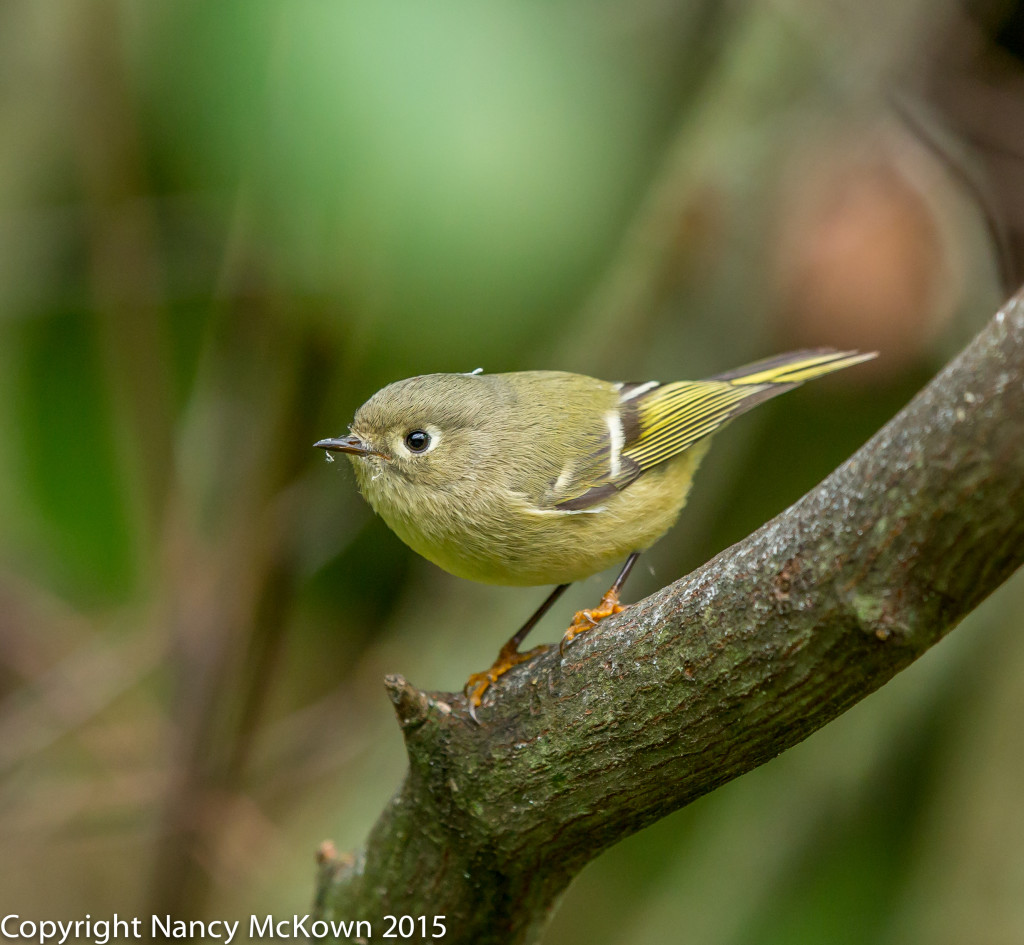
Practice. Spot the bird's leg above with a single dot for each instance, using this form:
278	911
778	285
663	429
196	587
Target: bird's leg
587	619
509	654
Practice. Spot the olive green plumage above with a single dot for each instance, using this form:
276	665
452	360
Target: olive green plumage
545	477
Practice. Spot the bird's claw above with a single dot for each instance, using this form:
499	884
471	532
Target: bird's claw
473	691
588	619
479	683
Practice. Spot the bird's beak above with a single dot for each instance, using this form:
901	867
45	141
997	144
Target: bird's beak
347	444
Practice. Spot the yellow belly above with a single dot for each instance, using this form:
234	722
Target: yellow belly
516	544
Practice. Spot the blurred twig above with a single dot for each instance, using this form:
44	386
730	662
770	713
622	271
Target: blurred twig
230	572
59	694
125	265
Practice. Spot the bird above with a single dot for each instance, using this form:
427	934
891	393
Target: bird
547	477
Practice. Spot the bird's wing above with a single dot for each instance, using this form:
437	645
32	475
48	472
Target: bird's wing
654	422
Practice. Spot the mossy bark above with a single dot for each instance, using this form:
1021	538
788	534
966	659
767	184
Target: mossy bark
709	677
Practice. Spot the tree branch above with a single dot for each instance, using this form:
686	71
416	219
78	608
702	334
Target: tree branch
709	677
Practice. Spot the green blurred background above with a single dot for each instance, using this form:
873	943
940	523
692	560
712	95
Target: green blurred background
224	225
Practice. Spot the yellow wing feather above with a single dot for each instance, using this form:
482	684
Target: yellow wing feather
672	417
661	421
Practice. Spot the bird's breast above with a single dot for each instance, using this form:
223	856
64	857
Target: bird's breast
499	536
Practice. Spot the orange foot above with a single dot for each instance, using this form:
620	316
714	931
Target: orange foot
588	619
478	683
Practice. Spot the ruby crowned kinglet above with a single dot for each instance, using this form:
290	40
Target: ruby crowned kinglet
544	477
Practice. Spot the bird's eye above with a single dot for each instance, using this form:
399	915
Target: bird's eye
417	441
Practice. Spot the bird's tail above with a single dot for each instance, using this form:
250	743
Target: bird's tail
794	367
